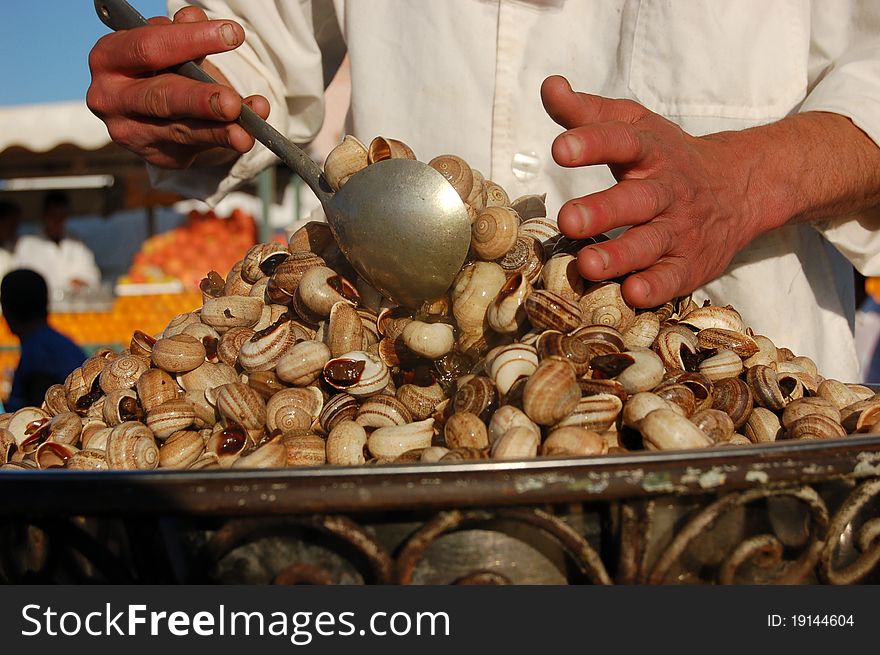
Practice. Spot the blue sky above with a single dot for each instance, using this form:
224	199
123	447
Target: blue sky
44	46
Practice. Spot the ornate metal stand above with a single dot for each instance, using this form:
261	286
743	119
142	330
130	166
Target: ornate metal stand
779	513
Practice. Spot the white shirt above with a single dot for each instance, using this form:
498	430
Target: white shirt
463	77
59	263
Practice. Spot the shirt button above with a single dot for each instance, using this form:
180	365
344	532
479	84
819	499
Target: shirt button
525	165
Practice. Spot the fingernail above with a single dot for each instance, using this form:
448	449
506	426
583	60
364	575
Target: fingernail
640	288
603	256
584	220
227	33
571	146
215	104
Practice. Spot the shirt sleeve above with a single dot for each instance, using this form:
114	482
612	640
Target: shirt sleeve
290	53
846	44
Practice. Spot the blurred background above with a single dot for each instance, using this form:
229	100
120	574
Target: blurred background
151	248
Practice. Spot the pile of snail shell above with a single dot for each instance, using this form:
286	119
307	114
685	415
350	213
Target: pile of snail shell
293	360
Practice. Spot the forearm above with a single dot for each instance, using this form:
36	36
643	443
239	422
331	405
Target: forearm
807	167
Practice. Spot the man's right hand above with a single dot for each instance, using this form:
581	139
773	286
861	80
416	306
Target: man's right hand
165	118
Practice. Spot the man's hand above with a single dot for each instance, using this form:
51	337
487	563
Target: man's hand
165	118
687	198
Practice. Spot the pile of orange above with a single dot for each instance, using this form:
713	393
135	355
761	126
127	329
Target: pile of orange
202	243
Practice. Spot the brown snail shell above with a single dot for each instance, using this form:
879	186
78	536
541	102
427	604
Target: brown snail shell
664	429
431	340
338	408
226	443
474	289
507	417
717	338
530	206
122	373
131	445
516	443
715	423
294	410
420	400
346	443
345	330
181	449
763	426
177	354
266	347
639	405
343	161
170	417
552	392
527	256
382	148
357	373
230	344
465	430
457	172
207	376
815	426
272	454
87	460
121	405
573	441
801	407
496	196
549	311
476	395
642	331
303	363
506	314
261	261
319	289
232	311
603	304
391	442
286	277
507	364
240	404
382	411
155	387
713	316
494	232
678	394
723	364
677	347
141	344
733	397
553	343
305	449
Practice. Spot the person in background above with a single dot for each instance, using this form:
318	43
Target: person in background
64	261
47	356
10	217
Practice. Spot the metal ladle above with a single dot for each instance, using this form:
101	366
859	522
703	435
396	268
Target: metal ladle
398	221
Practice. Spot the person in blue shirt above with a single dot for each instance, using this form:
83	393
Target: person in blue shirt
47	356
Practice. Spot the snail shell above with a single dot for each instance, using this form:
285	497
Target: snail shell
544	230
639	405
303	363
357	373
381	148
457	172
122	373
664	429
305	449
155	387
507	417
177	354
181	449
170	417
678	394
141	344
507	364
180	323
506	314
319	289
527	256
553	343
465	430
573	441
286	277
121	405
265	348
206	376
261	261
636	370
677	347
235	285
765	387
230	344
131	445
516	443
763	426
549	311
603	304
530	206
861	416
494	232
345	444
343	161
477	395
601	339
272	454
420	400
598	412
461	455
475	287
801	407
345	329
717	338
642	332
723	364
733	397
433	454
431	340
87	460
712	316
294	410
241	404
815	426
382	411
715	423
338	408
226	443
51	454
551	393
55	401
205	413
391	442
496	196
232	311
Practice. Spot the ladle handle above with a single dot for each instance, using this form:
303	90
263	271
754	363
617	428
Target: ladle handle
119	15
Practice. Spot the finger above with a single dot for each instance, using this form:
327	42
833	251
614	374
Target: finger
156	47
614	143
195	134
190	14
654	286
629	202
570	109
259	104
636	249
171	96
